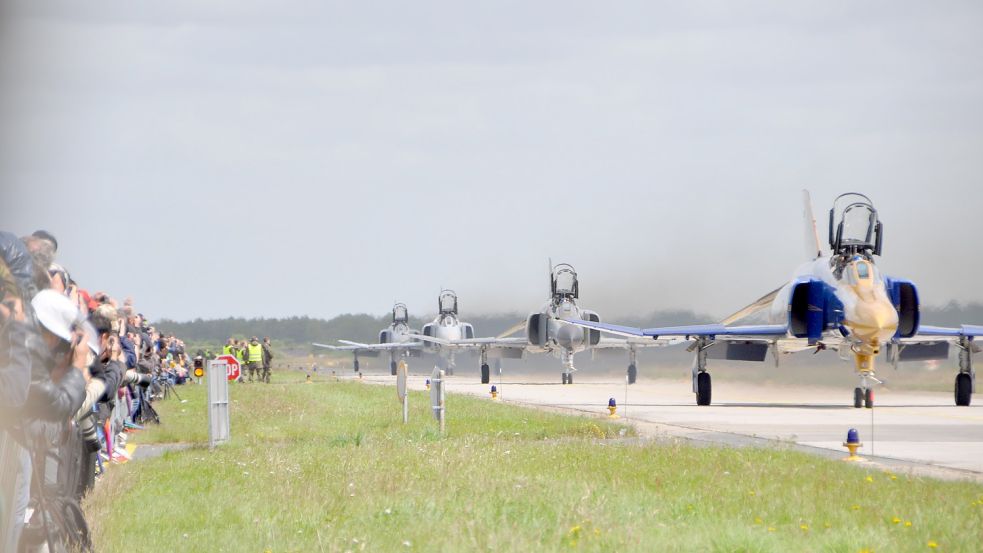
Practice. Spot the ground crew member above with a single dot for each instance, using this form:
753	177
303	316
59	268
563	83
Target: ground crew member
254	358
267	359
227	348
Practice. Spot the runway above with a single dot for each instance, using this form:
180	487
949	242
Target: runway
905	428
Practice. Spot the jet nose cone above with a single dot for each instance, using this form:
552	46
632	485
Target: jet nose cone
569	336
875	319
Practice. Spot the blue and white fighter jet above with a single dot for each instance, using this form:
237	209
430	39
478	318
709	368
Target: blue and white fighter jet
838	300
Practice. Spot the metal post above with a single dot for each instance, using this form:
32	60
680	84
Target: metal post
218	403
406	409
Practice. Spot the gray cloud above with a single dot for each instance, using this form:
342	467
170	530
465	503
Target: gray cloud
367	153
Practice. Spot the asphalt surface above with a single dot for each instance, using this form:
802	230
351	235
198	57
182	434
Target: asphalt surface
920	431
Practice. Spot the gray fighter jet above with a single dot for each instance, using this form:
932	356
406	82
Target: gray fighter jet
402	341
547	332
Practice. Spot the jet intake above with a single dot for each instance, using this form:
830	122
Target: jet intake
591	336
536	329
904	296
807	310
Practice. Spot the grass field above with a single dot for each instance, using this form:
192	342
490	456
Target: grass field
329	466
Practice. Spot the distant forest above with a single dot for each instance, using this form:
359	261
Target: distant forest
301	331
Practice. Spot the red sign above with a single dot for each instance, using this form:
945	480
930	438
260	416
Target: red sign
231	366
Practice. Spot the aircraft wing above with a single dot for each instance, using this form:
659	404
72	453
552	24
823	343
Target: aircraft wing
357	346
473	343
964	331
627	343
708	330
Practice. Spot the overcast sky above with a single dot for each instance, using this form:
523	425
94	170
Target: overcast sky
290	158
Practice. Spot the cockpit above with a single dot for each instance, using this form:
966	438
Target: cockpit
563	282
447	302
400	313
854	228
859	270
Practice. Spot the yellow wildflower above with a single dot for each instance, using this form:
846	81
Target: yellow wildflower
771	528
757	520
856	507
932	544
907	524
869	479
896	520
804	527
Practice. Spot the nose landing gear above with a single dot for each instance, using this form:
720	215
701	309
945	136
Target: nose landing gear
568	368
863	396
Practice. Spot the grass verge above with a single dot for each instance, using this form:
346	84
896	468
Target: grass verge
330	467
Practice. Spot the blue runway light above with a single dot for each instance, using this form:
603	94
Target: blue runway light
494	389
852	444
852	436
612	409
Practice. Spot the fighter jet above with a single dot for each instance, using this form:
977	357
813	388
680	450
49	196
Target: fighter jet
398	339
838	300
547	332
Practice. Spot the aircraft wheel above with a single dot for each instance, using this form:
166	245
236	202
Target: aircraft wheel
632	374
703	388
563	377
964	389
570	378
356	365
392	368
485	373
858	398
869	398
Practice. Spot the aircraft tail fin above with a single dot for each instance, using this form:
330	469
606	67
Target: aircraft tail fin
813	247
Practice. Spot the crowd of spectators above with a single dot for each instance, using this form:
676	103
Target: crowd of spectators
76	370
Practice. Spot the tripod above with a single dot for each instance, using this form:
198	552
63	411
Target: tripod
169	389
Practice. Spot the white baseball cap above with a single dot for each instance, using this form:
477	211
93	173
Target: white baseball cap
60	317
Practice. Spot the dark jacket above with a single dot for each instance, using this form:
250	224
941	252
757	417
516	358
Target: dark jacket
15	369
19	261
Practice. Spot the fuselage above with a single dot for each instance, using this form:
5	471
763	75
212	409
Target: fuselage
869	317
562	337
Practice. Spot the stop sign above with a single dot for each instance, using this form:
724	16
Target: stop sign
231	366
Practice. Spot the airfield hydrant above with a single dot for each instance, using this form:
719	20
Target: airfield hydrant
612	409
494	393
428	383
852	443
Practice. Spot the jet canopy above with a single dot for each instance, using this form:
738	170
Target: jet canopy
400	313
563	282
854	227
447	302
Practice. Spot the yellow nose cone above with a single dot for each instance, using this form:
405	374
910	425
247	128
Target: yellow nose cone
874	320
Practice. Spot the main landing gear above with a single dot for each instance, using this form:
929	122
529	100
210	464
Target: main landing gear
392	367
632	370
966	379
702	384
485	369
567	378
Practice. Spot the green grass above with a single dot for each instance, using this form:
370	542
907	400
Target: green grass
330	467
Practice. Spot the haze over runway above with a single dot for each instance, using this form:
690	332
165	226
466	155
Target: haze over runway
368	153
